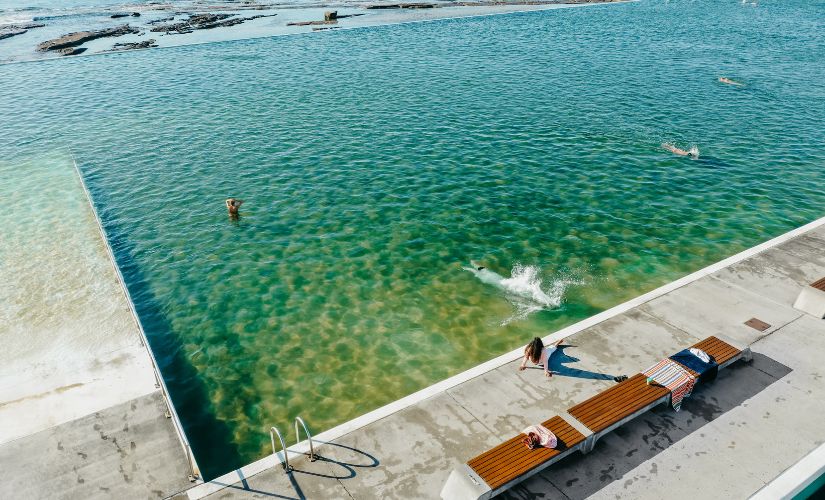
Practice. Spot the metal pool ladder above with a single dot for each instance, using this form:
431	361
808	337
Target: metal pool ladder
300	420
273	432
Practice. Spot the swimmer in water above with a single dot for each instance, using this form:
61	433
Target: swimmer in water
693	152
233	204
486	275
727	80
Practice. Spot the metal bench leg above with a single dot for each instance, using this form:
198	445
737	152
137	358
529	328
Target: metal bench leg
589	443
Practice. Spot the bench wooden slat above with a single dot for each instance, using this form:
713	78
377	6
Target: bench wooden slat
515	467
615	392
819	284
629	390
719	349
615	404
494	452
648	396
562	430
512	459
515	450
514	447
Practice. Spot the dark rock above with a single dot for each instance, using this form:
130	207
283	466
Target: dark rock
310	23
81	37
330	15
204	22
125	14
71	51
22	26
10	30
163	20
8	33
146	44
401	6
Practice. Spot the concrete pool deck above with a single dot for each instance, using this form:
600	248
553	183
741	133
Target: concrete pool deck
731	438
81	412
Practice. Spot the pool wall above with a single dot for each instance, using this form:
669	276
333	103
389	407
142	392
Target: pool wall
159	382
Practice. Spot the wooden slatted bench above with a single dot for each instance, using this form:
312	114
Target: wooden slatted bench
722	352
500	468
618	404
812	299
625	401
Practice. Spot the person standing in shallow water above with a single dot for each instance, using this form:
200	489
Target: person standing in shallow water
539	355
233	205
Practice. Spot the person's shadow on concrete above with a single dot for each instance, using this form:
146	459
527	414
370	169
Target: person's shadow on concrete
559	359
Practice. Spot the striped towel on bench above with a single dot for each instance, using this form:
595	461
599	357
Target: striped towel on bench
675	378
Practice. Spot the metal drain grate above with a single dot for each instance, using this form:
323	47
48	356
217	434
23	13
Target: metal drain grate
757	324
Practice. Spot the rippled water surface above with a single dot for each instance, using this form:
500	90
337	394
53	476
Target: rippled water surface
376	163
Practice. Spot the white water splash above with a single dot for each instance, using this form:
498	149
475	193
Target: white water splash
524	289
694	151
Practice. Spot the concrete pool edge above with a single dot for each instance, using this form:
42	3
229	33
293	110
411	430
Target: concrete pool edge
258	466
194	470
795	479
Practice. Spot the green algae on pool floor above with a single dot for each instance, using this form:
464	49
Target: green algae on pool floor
376	163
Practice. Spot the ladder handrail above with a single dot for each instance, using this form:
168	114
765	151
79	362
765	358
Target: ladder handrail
272	433
309	437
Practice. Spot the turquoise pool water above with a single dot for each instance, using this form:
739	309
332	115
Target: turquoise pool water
376	163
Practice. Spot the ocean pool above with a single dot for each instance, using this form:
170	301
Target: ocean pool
377	163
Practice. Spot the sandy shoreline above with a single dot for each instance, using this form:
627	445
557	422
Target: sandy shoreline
161	26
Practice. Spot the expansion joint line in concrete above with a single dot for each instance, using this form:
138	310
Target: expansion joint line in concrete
557	487
492	433
734	285
768	335
345	489
666	322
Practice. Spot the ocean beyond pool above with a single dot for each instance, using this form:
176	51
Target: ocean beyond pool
377	163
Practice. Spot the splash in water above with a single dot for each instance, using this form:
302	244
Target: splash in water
694	151
523	289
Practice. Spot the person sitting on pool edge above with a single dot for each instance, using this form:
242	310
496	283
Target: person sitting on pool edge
539	354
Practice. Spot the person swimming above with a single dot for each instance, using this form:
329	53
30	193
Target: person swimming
232	205
486	275
727	80
692	152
